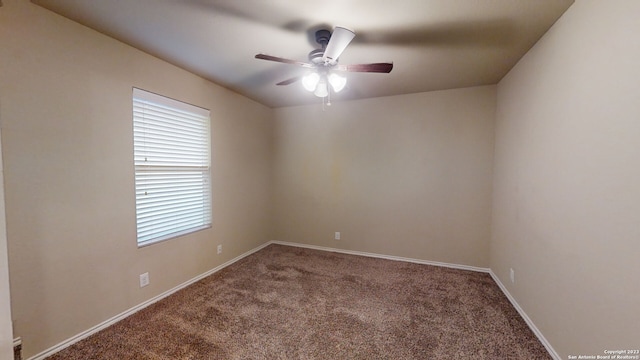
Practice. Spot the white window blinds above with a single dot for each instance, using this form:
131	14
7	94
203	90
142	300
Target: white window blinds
171	155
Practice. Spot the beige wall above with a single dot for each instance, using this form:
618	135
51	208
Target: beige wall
566	213
406	175
67	145
6	331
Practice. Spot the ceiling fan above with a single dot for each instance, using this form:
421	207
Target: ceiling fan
324	63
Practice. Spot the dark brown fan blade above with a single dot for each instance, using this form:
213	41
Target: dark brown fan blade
375	67
283	60
289	81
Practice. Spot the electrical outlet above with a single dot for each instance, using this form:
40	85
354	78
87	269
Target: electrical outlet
219	249
337	235
144	279
512	275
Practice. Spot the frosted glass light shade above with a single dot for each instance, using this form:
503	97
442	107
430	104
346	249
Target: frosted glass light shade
337	82
321	90
310	81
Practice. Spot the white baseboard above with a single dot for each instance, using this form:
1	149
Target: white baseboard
17	342
526	318
382	256
66	343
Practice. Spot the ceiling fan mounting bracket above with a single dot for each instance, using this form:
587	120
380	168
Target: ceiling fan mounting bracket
322	37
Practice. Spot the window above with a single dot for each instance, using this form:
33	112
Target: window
172	167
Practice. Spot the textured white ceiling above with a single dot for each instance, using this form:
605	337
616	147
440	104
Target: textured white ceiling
434	44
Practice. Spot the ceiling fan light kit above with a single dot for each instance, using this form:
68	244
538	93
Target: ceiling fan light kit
313	82
324	62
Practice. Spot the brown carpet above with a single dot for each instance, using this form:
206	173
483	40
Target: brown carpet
293	303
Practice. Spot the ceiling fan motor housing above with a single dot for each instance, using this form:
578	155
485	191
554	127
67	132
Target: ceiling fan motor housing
315	56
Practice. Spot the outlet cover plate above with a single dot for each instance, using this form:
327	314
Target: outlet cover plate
144	279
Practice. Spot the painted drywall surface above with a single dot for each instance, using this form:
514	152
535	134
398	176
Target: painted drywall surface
6	331
566	213
406	175
67	144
